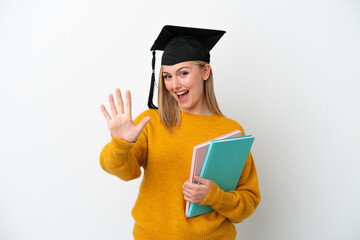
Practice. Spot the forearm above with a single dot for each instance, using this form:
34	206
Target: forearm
235	205
240	203
117	158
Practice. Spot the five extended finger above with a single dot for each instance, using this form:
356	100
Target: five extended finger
143	123
112	105
105	112
119	101
128	103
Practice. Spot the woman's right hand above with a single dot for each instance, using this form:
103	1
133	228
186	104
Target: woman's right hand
120	122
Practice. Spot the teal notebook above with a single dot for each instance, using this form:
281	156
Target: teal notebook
223	164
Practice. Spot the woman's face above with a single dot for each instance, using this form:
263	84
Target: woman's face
185	82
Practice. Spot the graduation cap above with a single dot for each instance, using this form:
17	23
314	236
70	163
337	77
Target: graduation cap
181	44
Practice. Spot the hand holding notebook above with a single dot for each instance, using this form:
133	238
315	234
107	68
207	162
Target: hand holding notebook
194	192
198	158
223	164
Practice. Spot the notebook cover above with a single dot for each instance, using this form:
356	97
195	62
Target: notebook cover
198	158
223	165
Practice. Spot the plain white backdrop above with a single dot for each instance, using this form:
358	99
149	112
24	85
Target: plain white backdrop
288	71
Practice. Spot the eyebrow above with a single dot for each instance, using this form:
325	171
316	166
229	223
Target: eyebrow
177	70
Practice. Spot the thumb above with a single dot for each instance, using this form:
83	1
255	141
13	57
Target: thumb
143	123
202	180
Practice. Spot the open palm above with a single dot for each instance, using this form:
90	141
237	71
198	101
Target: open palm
120	121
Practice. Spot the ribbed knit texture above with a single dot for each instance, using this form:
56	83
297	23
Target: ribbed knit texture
165	157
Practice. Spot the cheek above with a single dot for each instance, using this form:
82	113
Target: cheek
167	85
196	84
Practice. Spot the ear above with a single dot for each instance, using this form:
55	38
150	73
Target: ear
206	71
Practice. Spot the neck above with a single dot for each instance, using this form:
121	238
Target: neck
201	109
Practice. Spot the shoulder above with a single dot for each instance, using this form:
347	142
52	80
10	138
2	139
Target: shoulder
229	123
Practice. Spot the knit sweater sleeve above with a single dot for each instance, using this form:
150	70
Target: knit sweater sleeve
240	203
124	159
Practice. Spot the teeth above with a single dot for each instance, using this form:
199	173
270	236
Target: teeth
180	93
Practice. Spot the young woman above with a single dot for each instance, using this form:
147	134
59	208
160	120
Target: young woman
161	142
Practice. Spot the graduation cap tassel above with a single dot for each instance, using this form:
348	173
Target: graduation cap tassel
151	93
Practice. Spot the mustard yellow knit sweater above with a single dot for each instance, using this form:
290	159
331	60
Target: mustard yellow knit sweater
165	157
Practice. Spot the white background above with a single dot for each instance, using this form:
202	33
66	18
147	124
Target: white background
288	71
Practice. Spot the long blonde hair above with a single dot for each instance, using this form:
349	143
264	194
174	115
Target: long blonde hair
169	110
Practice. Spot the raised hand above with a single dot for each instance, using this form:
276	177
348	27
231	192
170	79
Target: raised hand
120	122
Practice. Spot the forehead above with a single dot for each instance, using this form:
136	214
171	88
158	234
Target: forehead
176	67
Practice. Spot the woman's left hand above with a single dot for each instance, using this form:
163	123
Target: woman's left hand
196	193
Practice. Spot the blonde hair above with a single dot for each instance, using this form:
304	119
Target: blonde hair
169	110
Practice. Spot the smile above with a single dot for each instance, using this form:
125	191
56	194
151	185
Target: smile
182	95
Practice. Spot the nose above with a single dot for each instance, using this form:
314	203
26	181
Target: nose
176	83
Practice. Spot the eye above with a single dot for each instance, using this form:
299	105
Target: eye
167	76
184	74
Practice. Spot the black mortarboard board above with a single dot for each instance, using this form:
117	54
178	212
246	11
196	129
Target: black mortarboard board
181	44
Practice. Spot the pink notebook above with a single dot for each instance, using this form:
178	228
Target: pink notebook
198	158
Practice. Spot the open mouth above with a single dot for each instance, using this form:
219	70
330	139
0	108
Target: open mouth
182	95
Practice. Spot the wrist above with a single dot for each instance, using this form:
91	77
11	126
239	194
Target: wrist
213	197
120	144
